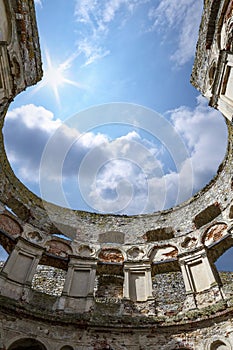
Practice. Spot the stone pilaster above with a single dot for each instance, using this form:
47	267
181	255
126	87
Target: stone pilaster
17	274
78	291
138	282
200	279
5	74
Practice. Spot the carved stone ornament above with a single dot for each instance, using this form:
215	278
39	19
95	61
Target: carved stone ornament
135	253
189	242
58	248
34	236
85	251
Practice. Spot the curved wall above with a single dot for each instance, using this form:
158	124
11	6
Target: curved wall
113	267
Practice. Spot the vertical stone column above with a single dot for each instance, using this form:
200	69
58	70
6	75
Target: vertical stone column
138	281
78	291
17	274
200	279
5	74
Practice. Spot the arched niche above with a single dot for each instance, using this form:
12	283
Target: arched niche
113	255
219	345
163	253
10	225
58	247
214	233
27	344
163	259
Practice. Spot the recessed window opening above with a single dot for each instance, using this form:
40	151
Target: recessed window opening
224	262
224	265
59	235
10	210
3	256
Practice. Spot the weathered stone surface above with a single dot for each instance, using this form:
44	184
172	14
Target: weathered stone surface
49	280
156	285
9	225
111	255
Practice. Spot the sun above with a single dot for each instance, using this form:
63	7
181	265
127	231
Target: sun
55	75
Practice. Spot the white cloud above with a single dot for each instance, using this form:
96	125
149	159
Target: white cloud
125	175
28	129
34	117
98	14
182	16
38	2
96	18
91	51
26	132
206	136
134	179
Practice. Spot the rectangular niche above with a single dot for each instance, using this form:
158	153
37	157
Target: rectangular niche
199	276
22	268
137	286
112	237
207	215
159	234
80	283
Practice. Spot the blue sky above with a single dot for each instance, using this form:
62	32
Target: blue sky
131	133
115	125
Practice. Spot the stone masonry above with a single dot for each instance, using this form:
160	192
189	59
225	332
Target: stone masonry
116	282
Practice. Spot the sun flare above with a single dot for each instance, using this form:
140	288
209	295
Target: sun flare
55	75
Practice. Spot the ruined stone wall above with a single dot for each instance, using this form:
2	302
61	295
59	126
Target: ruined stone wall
212	71
54	336
116	282
168	289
